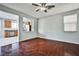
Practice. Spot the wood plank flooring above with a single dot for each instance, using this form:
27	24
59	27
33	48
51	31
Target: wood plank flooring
44	47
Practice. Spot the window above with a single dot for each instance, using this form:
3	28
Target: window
70	22
27	24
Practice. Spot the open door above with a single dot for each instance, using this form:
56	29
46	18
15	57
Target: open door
9	31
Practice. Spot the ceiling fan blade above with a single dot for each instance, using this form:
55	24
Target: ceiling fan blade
45	10
50	6
43	4
35	4
37	10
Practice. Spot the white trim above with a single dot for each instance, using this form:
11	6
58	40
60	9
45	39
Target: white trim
61	40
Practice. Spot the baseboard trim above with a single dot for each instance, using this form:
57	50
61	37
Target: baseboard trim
49	39
28	39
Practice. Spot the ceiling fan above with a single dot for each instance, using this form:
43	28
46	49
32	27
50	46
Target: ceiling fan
42	7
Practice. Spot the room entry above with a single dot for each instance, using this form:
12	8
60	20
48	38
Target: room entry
9	29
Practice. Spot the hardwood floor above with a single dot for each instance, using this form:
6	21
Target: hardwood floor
45	47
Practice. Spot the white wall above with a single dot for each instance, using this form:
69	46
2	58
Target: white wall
52	27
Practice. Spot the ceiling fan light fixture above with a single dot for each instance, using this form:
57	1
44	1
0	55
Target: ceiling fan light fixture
43	8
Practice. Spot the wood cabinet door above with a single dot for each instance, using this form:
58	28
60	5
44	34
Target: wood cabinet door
7	34
7	24
15	33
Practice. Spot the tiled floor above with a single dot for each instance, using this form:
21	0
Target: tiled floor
40	47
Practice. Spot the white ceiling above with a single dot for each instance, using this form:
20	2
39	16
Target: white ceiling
29	9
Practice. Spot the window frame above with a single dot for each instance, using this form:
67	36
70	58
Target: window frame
30	25
75	23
